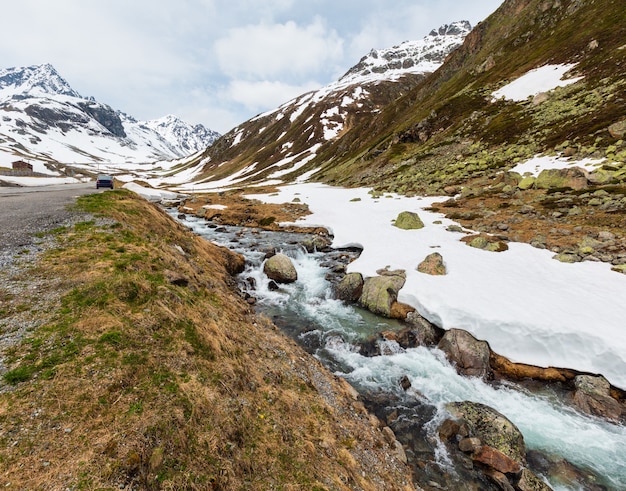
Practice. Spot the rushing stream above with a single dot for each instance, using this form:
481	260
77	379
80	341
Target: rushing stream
330	330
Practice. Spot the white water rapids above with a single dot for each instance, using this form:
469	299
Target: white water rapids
547	425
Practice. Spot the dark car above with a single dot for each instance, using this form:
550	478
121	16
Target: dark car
104	182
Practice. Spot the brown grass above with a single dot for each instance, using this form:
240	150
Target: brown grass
141	383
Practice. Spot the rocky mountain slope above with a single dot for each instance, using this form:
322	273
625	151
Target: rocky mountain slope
455	132
43	118
286	140
422	134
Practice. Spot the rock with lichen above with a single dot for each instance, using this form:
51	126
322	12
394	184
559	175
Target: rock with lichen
408	220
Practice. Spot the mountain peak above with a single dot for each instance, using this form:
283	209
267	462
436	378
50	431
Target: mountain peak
418	57
44	107
35	80
459	28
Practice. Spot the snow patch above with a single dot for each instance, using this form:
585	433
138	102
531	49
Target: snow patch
542	79
538	163
528	306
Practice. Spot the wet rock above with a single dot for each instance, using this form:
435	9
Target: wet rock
470	445
449	429
496	459
528	481
562	473
405	383
499	479
408	220
380	292
491	427
350	288
272	286
422	332
280	268
593	396
469	355
400	310
317	243
433	264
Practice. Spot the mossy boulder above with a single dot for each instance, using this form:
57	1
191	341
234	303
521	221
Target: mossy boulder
492	427
572	177
280	268
380	292
621	268
486	244
408	220
526	183
601	176
567	257
350	288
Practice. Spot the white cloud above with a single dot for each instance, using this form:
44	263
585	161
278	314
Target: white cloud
155	57
270	50
261	95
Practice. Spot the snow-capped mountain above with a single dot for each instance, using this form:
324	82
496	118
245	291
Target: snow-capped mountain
421	56
288	140
33	81
179	133
42	117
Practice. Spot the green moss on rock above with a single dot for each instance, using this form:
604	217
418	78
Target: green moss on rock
408	220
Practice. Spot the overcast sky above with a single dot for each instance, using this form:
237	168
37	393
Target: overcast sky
215	62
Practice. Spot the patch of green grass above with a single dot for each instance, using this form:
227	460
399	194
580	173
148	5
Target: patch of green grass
134	359
84	226
193	338
135	408
19	374
114	338
95	294
54	231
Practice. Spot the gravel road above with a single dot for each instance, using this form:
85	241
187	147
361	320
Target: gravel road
28	299
26	211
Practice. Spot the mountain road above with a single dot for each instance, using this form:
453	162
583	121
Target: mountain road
25	212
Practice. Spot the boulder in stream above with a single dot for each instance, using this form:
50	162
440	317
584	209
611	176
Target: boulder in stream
350	287
468	354
280	269
380	292
593	396
492	428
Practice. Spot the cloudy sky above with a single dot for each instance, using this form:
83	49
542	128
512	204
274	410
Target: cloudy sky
215	62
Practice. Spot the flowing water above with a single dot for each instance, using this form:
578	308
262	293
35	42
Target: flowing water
331	330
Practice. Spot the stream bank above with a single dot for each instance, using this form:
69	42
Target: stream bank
336	333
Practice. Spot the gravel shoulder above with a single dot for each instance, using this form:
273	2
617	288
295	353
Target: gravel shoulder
27	215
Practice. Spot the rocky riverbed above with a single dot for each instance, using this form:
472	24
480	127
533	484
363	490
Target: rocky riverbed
471	455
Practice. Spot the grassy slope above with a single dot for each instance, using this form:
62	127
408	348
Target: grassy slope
137	381
464	135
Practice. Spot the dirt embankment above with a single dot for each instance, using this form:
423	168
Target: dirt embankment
143	368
